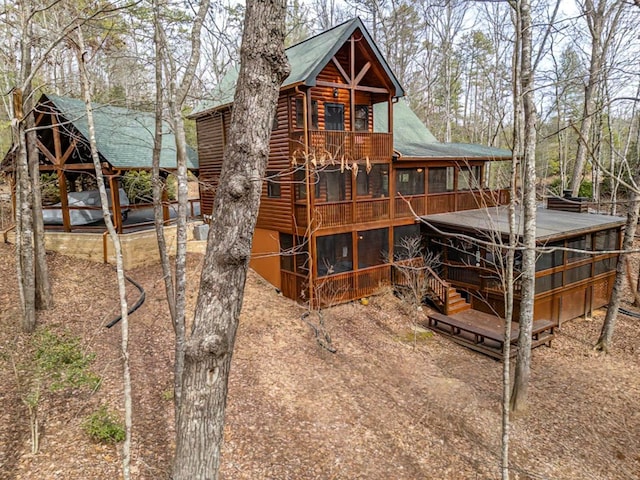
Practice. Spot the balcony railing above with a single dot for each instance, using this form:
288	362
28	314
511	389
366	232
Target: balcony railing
337	214
338	144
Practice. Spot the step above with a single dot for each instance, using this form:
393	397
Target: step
458	308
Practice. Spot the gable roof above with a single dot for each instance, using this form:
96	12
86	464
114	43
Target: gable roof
413	140
307	59
124	137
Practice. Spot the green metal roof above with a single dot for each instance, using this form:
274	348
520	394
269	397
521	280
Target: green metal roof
307	59
412	139
124	137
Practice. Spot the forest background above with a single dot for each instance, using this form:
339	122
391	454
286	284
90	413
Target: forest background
453	58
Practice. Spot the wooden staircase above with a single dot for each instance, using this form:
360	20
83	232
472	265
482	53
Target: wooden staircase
444	296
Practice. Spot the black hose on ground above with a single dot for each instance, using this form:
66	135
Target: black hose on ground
135	306
631	313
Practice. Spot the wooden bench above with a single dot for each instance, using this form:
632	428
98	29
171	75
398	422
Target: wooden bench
476	336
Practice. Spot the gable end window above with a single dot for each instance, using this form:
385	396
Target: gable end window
333	116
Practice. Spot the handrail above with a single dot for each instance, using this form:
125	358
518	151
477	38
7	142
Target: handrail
440	288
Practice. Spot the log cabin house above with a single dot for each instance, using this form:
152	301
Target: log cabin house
351	173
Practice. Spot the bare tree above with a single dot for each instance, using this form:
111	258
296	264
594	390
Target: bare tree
602	19
209	349
117	247
526	131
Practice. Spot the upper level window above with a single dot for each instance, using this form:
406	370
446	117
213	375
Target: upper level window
361	118
300	113
441	179
333	116
410	181
469	178
332	185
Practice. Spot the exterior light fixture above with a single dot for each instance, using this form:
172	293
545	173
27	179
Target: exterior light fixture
335	93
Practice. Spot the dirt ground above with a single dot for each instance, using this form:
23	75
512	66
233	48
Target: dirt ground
381	407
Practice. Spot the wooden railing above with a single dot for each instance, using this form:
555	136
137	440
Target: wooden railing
350	145
344	213
439	287
347	286
371	210
410	206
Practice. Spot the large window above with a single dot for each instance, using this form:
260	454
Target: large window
554	258
441	179
299	184
373	247
410	181
548	282
333	185
406	241
334	254
469	178
579	243
375	183
606	240
333	116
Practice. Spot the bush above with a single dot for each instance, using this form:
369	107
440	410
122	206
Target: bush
139	186
61	360
104	426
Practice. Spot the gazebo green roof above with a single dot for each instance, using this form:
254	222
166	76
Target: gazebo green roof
307	59
413	140
124	137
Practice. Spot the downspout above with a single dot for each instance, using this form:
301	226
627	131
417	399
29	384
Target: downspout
305	125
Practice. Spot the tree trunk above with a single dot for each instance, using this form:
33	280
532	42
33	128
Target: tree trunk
523	363
117	248
209	349
606	334
43	298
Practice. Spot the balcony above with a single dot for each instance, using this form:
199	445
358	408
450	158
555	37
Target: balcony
337	214
352	146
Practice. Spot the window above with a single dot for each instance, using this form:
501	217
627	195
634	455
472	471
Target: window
410	181
300	113
275	124
469	178
576	274
332	185
605	265
286	252
273	185
299	184
375	183
606	240
441	179
579	243
548	282
373	247
405	239
334	254
551	259
361	118
333	116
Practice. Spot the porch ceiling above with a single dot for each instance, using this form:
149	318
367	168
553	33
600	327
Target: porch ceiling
550	224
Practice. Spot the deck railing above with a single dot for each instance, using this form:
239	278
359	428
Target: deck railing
352	285
351	145
439	287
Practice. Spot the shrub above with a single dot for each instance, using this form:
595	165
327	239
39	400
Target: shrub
61	360
104	426
139	186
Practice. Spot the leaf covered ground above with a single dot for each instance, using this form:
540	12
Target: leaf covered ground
382	407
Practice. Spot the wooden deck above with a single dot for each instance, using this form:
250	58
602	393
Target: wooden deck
484	333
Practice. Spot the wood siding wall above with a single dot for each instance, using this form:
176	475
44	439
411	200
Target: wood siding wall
210	151
275	213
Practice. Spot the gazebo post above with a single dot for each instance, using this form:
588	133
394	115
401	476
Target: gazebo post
64	200
114	186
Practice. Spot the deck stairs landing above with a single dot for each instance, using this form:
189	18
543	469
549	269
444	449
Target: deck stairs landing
446	298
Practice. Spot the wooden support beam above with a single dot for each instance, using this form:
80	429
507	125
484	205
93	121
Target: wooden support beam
45	151
362	73
64	200
345	77
68	151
